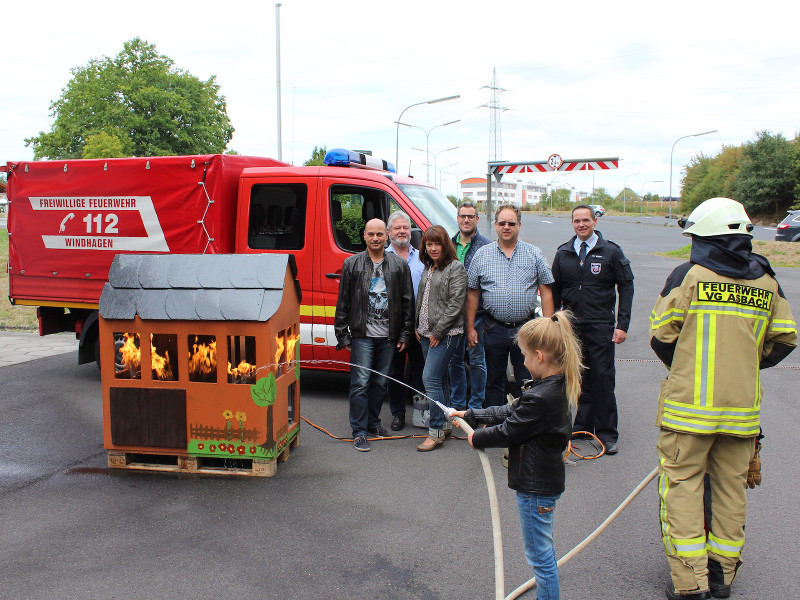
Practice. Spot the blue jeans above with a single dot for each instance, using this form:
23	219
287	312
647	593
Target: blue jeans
536	513
433	375
499	346
367	389
477	373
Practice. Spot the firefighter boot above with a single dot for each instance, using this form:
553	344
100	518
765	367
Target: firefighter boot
716	579
693	595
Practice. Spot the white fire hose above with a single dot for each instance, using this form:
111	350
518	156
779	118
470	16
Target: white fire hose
497	536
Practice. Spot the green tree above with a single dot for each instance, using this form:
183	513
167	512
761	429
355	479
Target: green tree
599	196
768	176
317	157
102	145
626	200
453	200
710	177
139	97
796	166
559	198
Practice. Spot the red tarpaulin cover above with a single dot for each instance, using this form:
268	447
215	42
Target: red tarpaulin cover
68	218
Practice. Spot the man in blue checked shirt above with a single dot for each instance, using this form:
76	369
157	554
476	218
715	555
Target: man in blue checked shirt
505	275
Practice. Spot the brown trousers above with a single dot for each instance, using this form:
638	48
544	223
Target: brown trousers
685	458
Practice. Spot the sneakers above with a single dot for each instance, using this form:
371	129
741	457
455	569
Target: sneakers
379	431
361	443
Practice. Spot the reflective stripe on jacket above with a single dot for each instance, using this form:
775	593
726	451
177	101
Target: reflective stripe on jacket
714	332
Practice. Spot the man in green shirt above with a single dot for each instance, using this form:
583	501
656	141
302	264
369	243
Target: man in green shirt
467	241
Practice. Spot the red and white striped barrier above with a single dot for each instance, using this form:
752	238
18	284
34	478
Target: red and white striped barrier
587	164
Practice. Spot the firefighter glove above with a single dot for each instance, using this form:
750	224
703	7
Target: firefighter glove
754	470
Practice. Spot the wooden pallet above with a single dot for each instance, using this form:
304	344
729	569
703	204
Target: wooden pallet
201	465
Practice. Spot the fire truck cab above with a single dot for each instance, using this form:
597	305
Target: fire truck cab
318	214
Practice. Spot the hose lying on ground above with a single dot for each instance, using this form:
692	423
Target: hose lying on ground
497	536
564	559
494	508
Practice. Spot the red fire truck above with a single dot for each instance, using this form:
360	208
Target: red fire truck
68	218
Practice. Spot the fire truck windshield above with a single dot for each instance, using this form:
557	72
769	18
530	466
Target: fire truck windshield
432	203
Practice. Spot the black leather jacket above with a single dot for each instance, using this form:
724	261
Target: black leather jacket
536	428
591	292
352	304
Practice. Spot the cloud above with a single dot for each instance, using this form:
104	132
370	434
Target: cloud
584	80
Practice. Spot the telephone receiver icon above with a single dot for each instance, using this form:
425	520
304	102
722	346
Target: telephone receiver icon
64	222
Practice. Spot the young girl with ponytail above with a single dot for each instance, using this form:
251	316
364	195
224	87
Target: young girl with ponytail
536	428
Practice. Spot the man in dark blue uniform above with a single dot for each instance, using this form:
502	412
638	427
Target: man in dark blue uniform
590	272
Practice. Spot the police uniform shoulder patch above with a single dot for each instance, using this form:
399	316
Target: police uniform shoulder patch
596	268
734	293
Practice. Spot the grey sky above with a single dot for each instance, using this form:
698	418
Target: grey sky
584	79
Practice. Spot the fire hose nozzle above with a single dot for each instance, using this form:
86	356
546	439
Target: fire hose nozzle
447	410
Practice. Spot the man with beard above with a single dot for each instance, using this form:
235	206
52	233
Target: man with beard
467	241
398	226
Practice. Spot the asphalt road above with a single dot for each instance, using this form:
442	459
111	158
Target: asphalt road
335	523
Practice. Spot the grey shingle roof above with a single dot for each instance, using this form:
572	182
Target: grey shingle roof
191	287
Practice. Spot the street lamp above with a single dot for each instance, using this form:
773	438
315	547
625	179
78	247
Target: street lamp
625	189
456	176
400	118
670	164
434	155
641	192
427	139
552	189
440	174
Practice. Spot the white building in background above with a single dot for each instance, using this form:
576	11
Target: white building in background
516	192
506	191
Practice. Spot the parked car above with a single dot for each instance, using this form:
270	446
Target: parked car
789	228
598	210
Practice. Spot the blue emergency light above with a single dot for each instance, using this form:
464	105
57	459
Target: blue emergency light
340	157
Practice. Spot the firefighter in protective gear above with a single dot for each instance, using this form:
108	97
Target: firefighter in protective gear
720	318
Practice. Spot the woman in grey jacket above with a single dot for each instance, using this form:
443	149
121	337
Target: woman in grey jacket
441	299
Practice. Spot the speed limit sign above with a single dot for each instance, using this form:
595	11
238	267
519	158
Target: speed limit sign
555	161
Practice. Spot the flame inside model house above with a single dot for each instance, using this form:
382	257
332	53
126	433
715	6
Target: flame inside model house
205	369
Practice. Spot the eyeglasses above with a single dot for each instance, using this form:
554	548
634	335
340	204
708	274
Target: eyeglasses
504	223
467	216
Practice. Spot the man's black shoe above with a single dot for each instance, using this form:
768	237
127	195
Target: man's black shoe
379	431
673	595
398	422
611	447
